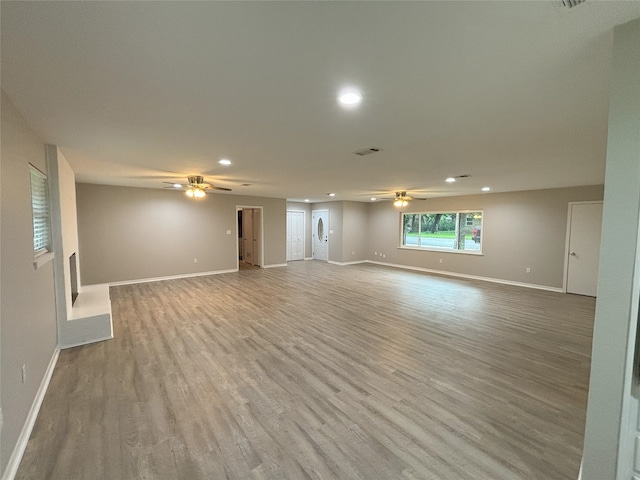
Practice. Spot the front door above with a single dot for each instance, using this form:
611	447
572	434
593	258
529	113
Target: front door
585	226
320	234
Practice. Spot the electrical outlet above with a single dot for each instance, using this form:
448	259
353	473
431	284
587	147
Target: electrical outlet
195	260
384	256
353	252
440	260
228	232
527	270
24	374
375	253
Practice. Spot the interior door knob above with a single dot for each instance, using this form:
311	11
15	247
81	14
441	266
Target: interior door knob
573	254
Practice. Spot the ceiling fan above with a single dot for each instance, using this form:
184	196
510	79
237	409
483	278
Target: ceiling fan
401	199
196	186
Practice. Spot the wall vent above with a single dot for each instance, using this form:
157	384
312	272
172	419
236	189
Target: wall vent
571	3
367	151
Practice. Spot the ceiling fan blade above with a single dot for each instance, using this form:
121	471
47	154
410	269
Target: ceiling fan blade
219	188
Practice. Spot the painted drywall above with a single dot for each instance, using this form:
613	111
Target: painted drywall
139	233
354	231
610	432
64	223
520	230
306	208
28	301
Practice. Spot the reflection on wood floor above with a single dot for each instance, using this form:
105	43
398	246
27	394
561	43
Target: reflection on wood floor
317	371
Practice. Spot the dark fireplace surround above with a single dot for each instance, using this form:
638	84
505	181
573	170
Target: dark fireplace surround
73	270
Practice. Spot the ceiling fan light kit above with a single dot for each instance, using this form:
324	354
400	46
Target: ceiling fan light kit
196	187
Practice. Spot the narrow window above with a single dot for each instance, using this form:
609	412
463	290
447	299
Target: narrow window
40	211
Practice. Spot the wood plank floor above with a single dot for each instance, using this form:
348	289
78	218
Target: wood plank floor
317	371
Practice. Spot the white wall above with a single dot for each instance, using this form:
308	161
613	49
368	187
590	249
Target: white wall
610	430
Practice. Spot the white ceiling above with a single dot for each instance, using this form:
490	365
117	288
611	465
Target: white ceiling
513	93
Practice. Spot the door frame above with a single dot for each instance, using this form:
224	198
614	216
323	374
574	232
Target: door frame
238	209
304	231
328	232
568	238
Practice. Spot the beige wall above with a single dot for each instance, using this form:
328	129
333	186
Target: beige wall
137	233
354	228
520	229
28	304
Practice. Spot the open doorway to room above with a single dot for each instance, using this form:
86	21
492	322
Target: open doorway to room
250	236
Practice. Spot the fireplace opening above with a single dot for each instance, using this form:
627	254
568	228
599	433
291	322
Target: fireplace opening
73	269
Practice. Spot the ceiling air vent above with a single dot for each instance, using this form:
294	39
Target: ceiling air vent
367	151
571	3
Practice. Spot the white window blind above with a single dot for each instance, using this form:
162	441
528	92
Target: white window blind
40	210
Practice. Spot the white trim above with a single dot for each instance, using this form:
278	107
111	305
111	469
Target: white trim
355	262
471	277
308	258
171	277
42	259
274	265
23	439
580	471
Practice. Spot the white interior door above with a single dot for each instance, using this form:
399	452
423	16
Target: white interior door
585	227
320	234
295	236
289	241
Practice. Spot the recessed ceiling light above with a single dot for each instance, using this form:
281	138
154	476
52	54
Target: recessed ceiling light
307	200
373	199
331	194
450	180
486	189
350	97
225	162
176	185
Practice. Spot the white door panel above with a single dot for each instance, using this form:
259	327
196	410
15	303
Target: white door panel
585	226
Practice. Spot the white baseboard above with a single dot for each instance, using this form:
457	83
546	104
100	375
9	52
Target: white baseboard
23	439
171	277
580	472
348	263
274	265
470	277
308	258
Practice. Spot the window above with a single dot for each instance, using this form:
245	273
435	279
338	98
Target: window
459	231
40	211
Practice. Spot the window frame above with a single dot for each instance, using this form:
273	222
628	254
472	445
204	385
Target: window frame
457	229
40	213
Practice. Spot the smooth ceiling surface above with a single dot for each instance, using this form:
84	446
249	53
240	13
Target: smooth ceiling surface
513	93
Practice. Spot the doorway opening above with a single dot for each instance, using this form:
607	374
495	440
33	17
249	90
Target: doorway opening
250	236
